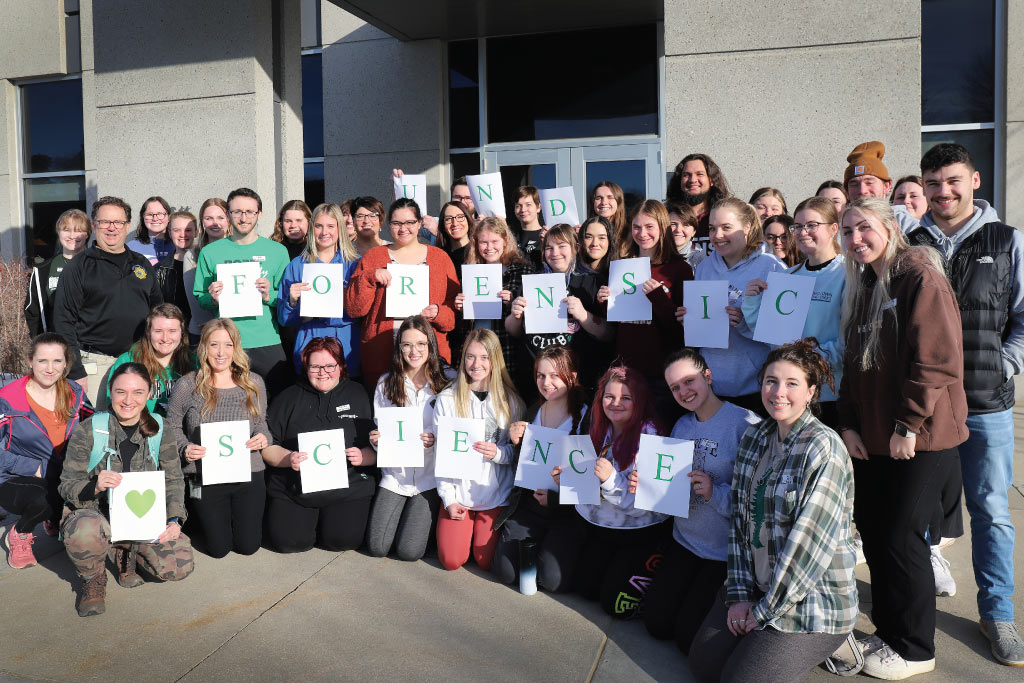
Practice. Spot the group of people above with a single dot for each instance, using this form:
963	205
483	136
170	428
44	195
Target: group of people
864	433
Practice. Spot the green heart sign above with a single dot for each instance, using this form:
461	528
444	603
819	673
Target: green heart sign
140	502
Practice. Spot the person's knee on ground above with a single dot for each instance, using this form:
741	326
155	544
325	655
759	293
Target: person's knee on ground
86	541
172	561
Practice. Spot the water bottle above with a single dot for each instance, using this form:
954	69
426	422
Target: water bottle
527	567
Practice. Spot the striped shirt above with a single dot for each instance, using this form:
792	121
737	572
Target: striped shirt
807	513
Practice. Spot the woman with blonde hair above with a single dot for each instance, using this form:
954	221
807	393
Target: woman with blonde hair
768	202
292	226
223	389
213	225
73	232
902	414
482	389
327	242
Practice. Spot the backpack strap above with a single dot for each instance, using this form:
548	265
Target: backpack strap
100	438
154	441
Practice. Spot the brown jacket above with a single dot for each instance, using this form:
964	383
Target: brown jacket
919	377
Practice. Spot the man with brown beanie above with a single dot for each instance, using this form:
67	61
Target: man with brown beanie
867	176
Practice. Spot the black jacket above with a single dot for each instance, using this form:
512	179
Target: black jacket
39	299
102	302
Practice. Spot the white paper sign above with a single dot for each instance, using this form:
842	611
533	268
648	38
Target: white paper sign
325	467
409	291
706	323
559	206
784	307
626	278
413	187
538	455
138	507
400	444
545	303
239	298
325	299
454	455
227	459
577	483
663	465
481	284
487	194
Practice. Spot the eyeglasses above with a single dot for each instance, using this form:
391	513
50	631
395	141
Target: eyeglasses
237	213
317	369
461	198
366	216
809	226
458	218
407	224
155	216
775	238
101	223
407	347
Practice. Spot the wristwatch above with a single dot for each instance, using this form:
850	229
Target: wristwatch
903	431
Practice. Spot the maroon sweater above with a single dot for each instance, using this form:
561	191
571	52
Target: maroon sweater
643	346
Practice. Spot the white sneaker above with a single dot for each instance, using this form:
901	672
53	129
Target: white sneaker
945	586
870	644
946	541
888	665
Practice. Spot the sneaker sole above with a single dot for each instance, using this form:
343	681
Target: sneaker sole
1004	662
887	675
7	547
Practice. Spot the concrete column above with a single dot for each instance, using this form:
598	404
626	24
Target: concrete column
778	94
12	232
192	99
1014	191
383	108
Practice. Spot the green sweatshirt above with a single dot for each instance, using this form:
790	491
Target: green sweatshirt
272	257
162	386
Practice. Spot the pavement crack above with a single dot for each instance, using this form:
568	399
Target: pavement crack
259	616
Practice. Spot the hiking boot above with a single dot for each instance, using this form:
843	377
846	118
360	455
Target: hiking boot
124	560
90	600
19	549
887	664
1007	646
945	586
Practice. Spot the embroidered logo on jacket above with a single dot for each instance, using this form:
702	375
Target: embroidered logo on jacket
139	272
985	259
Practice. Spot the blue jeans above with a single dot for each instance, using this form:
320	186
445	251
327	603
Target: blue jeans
987	465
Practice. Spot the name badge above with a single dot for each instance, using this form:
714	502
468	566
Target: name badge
259	258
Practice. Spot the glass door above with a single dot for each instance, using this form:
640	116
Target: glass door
542	168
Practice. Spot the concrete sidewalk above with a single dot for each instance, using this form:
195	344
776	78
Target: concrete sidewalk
322	616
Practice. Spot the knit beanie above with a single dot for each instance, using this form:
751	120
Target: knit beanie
866	159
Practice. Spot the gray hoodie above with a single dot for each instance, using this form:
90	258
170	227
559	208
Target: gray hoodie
1013	345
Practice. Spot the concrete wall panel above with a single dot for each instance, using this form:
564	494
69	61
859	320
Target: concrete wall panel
1014	188
1015	174
339	26
802	134
741	25
33	45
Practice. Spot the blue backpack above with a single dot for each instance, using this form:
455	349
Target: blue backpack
101	437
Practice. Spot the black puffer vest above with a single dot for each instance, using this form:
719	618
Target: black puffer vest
981	274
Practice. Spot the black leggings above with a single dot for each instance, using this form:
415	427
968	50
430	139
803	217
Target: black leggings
681	594
231	516
33	498
294	528
617	565
559	541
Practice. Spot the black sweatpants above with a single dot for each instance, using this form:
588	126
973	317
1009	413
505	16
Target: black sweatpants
34	498
683	591
616	566
559	541
294	528
895	503
949	519
231	516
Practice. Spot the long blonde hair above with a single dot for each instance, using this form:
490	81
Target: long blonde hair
239	369
854	294
348	251
508	407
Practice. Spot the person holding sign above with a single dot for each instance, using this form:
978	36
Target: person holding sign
456	224
364	297
536	515
737	258
588	331
531	233
493	242
694	566
259	334
405	509
482	389
790	595
38	411
223	390
599	245
618	541
643	344
608	202
327	243
903	415
816	233
99	451
324	399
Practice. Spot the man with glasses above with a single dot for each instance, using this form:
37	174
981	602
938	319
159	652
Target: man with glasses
103	298
260	337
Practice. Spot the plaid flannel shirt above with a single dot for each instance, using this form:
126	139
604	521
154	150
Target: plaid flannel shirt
808	511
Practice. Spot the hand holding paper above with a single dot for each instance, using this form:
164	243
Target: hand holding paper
784	307
409	291
558	205
545	303
325	297
240	297
487	194
706	323
540	451
627	302
662	465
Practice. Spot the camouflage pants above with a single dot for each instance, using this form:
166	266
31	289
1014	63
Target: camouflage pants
87	540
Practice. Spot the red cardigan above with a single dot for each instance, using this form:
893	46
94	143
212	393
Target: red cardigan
644	346
364	299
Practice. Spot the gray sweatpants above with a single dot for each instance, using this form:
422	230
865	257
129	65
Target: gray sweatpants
405	522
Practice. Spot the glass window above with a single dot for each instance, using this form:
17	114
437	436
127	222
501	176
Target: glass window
630	175
312	106
45	200
463	165
980	143
314	183
958	72
463	94
52	124
572	85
